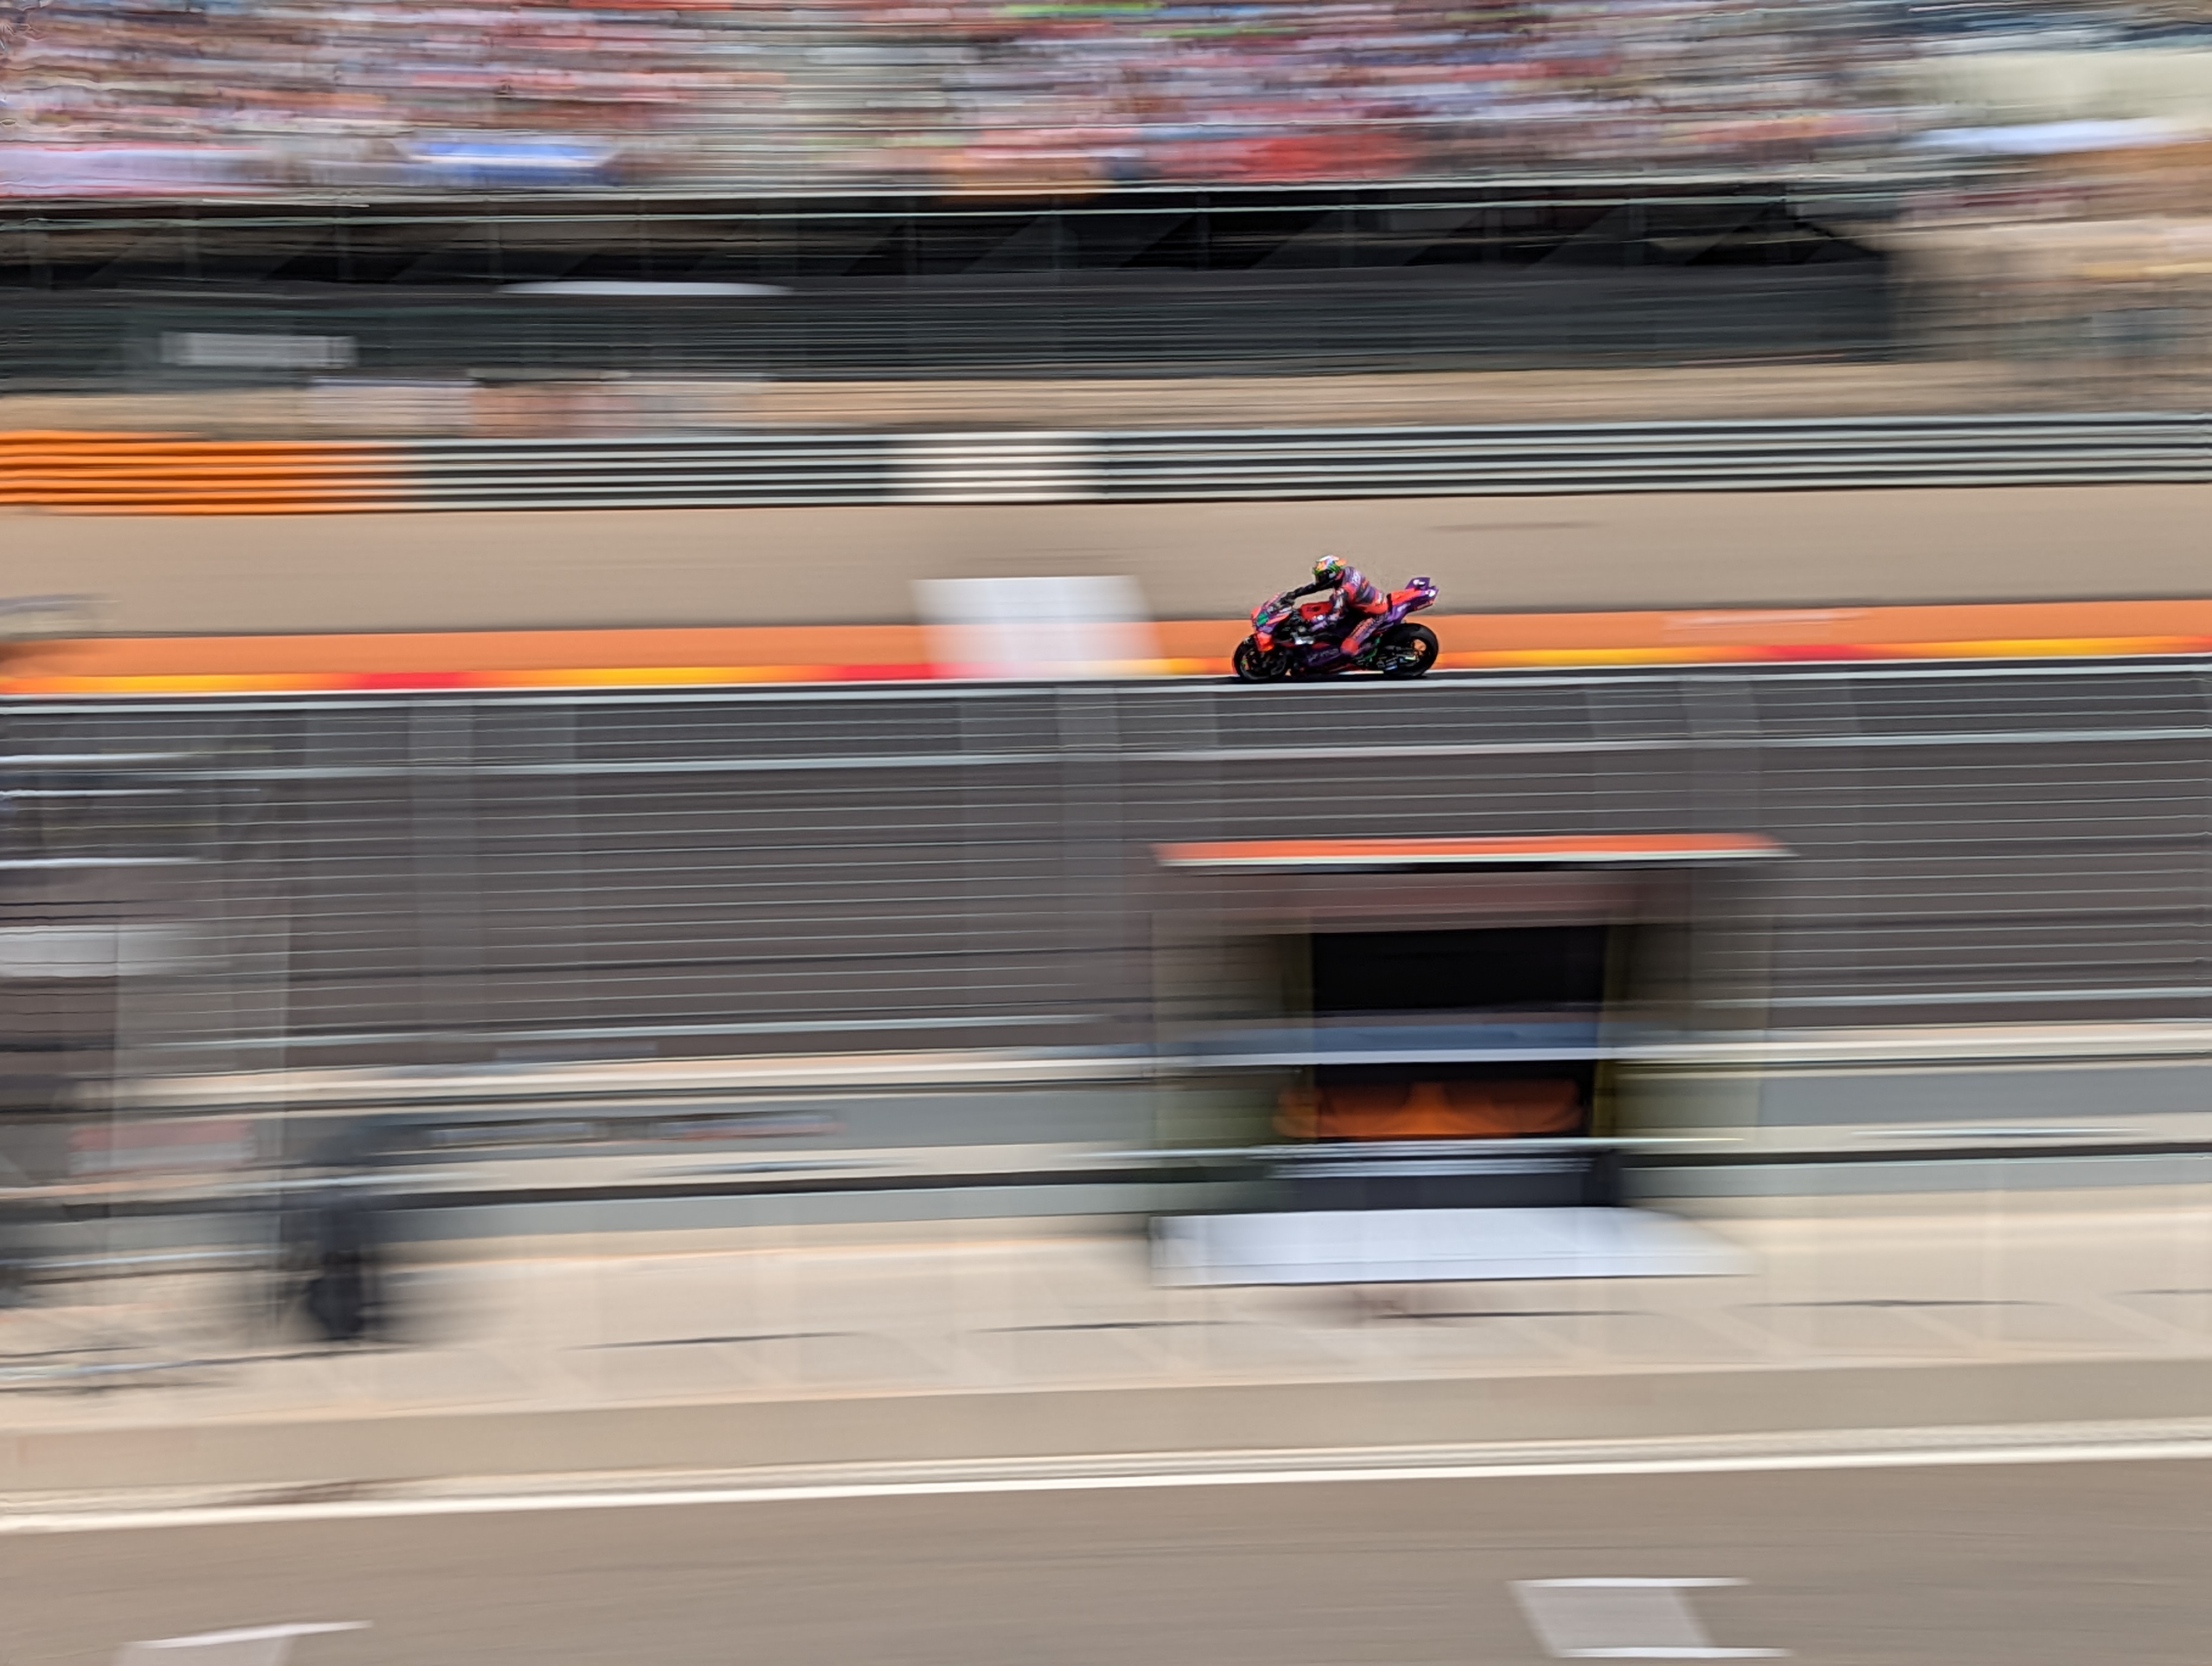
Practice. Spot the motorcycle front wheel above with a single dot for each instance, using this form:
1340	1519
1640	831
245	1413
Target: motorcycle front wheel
1409	651
1257	665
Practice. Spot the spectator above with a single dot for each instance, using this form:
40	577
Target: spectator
730	92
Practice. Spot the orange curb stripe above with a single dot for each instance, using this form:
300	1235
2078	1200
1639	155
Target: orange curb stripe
632	677
722	675
709	656
2040	647
421	682
1269	853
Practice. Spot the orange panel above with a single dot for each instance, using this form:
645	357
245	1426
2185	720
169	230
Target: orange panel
1366	853
164	474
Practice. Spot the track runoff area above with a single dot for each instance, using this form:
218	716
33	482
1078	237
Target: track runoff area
400	661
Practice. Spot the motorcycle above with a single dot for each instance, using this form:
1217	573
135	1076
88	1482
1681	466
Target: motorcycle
1291	638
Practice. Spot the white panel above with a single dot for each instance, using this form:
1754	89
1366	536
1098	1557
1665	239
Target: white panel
1391	1246
1622	1620
1038	629
91	951
212	349
252	1646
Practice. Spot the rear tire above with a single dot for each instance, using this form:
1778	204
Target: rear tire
1409	651
1256	665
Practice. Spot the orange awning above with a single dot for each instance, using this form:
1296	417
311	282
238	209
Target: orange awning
1617	850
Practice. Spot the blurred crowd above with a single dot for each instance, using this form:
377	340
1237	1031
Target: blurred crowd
209	95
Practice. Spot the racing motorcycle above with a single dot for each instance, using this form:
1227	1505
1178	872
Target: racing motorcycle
1292	638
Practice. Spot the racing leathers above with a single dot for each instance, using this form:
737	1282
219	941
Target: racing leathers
1360	608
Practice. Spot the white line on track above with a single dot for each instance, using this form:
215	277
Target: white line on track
344	1510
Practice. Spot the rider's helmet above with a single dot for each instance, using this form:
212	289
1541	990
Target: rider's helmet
1328	570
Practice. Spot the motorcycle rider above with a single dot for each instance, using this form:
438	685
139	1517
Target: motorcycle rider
1360	604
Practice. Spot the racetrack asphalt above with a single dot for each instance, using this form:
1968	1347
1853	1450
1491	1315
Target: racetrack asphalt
2066	1564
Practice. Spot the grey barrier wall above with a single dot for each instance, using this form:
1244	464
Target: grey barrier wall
435	880
736	470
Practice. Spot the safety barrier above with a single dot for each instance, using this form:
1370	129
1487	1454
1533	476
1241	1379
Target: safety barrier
515	880
154	473
1649	457
171	474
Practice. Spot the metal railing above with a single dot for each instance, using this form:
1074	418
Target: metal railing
733	470
923	928
1638	457
381	881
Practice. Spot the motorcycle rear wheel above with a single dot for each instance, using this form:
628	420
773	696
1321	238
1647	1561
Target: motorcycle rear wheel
1254	665
1409	651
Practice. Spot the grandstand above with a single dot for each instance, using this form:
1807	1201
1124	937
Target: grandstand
199	97
1082	188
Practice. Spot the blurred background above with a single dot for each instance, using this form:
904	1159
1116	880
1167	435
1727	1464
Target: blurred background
627	851
428	213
